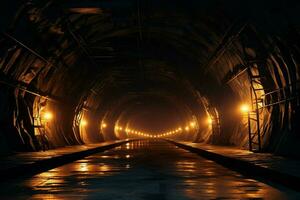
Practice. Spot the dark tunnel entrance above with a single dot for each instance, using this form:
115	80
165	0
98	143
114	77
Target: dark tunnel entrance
215	72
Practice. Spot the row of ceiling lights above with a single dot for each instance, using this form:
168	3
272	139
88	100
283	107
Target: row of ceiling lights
191	125
139	133
47	116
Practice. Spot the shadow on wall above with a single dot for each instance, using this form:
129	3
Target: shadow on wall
263	71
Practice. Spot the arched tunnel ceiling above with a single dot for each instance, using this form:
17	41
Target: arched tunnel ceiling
112	58
133	32
119	37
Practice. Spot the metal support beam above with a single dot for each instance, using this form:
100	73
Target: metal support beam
28	91
229	37
28	49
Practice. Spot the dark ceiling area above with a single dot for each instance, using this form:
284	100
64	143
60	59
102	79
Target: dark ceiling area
80	72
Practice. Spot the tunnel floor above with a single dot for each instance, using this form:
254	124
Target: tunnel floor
146	169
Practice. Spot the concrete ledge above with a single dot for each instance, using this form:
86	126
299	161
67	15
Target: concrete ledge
27	169
245	167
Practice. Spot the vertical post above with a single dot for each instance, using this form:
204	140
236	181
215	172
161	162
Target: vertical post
249	131
258	126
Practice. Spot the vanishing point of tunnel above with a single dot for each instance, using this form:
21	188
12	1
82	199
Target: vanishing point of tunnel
150	99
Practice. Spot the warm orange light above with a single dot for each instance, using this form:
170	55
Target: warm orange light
104	125
209	120
187	128
83	122
192	124
47	116
245	108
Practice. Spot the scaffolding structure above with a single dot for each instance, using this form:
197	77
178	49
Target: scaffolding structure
257	99
260	99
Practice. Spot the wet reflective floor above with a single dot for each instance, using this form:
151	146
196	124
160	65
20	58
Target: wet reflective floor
148	170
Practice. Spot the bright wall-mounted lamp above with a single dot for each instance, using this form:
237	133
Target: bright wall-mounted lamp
103	125
192	124
187	128
47	116
244	108
83	123
209	121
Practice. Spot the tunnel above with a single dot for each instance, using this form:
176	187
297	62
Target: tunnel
202	72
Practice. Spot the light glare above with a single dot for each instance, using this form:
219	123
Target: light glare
83	122
244	108
104	125
209	120
48	116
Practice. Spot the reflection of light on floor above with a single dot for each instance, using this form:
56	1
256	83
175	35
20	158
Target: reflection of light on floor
209	173
105	156
105	168
47	174
210	191
129	146
49	196
270	193
187	178
83	167
253	195
114	156
82	183
190	182
186	166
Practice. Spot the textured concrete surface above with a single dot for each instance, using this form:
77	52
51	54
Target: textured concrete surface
275	168
149	170
32	162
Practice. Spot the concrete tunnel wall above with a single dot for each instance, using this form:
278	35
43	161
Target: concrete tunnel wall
195	59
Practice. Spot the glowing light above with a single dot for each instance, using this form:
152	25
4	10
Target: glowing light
155	135
83	122
104	125
245	108
209	120
47	116
193	124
